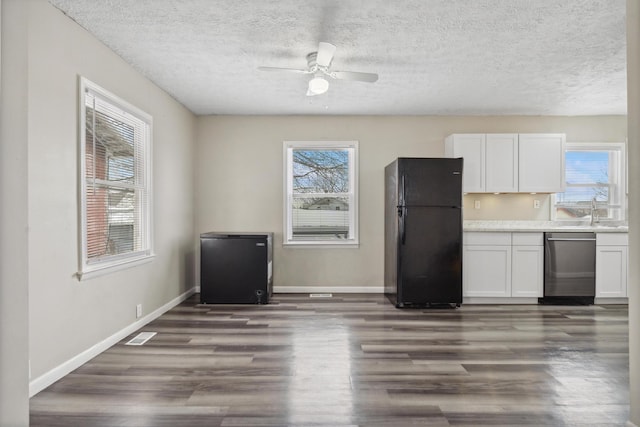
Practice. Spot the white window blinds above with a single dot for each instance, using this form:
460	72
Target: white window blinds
321	192
115	148
594	178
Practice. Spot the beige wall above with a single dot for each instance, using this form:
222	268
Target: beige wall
14	333
66	316
633	97
239	181
507	207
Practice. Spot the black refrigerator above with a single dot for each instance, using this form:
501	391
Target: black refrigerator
236	268
423	232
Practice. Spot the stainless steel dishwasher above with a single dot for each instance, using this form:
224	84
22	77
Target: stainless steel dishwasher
569	268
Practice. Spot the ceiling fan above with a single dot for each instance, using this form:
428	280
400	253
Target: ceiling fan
319	65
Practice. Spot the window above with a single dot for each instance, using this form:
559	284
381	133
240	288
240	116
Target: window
321	203
595	178
115	172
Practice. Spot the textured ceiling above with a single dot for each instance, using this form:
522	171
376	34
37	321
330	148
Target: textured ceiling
443	57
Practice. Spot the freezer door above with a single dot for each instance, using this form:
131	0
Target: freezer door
430	182
234	270
430	256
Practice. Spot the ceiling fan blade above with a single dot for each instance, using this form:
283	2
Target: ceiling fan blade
325	54
354	76
289	70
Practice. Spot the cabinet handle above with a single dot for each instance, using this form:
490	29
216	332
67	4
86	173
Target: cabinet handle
557	239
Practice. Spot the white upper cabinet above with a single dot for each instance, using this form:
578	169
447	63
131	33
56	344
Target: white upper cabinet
509	162
471	147
541	163
501	155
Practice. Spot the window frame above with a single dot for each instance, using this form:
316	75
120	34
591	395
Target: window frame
93	267
619	187
352	148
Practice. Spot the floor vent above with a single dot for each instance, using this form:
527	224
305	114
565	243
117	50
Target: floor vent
141	338
320	295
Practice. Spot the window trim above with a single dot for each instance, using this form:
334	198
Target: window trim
288	147
621	172
87	268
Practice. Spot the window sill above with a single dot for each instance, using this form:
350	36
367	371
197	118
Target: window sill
91	272
322	245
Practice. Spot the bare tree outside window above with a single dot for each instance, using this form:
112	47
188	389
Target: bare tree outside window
320	177
321	193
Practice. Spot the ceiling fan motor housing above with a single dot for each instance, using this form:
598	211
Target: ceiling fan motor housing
312	62
319	64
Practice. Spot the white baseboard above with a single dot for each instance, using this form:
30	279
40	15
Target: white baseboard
499	300
45	380
630	424
605	301
328	289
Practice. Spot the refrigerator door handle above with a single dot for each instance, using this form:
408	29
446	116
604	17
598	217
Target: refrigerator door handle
402	213
402	192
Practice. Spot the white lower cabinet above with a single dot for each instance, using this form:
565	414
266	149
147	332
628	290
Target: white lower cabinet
611	265
487	271
503	265
528	269
511	265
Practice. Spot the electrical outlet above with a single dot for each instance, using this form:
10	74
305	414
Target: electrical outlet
476	204
138	311
536	204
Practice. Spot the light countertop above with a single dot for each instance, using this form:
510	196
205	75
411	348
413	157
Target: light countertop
541	226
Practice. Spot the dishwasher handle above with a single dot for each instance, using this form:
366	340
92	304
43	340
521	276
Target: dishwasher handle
570	239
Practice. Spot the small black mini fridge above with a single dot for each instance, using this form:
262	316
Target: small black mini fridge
236	268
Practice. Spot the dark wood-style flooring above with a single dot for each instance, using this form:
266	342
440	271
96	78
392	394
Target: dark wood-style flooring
355	360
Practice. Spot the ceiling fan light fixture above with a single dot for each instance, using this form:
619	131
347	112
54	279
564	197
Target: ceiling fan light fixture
319	69
318	85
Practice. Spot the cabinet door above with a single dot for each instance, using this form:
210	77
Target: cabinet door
487	271
471	148
501	161
541	163
611	272
528	271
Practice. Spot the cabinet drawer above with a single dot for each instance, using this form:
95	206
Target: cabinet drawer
528	239
612	239
487	238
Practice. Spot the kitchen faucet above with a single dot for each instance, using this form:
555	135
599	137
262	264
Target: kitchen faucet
594	211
